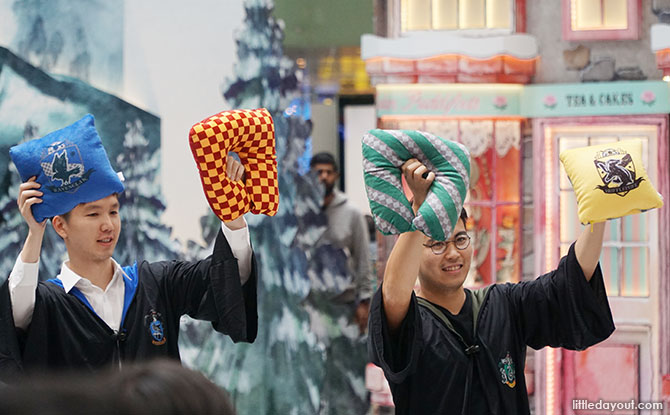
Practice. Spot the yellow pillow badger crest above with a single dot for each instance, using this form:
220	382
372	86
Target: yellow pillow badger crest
610	181
250	134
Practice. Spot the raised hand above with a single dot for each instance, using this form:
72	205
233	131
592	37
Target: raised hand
234	169
235	172
414	172
29	195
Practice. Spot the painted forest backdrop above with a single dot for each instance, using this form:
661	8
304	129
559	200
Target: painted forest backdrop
284	371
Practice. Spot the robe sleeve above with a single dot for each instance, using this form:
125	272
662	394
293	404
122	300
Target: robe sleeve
211	290
396	354
562	308
10	354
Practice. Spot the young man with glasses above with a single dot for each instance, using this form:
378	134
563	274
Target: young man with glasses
450	350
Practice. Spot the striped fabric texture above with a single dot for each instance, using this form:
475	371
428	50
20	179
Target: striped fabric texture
385	151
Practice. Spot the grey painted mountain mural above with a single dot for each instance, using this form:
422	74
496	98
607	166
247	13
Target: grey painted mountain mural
307	358
34	103
83	39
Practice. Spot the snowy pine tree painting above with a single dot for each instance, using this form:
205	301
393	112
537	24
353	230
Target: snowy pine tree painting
281	372
145	237
286	370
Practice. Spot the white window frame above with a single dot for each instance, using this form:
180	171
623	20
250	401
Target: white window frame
396	29
632	32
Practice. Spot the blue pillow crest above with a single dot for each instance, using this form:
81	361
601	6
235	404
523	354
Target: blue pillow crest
72	166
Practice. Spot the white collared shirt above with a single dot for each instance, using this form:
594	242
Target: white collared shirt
107	303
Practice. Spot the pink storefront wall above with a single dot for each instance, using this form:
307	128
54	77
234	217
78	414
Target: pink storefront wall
604	372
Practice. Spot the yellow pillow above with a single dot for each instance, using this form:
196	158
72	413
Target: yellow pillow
610	181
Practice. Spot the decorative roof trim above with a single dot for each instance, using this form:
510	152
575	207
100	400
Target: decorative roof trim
421	45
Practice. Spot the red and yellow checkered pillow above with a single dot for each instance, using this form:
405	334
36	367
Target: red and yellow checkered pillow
250	134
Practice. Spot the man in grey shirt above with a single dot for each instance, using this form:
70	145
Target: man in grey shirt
342	285
348	230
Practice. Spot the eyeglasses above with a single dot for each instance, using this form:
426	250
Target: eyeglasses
461	242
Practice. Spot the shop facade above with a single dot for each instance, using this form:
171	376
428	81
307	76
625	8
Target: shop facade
491	120
524	212
632	364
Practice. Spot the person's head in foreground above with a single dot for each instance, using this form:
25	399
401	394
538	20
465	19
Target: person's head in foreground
166	387
157	386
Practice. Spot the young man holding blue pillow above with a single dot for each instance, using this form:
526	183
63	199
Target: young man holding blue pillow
449	350
95	312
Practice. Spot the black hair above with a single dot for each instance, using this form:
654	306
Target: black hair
464	217
324	158
164	386
66	216
155	386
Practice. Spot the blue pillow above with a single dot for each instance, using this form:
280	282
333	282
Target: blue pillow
71	165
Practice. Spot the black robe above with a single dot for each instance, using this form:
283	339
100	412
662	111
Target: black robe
426	363
65	332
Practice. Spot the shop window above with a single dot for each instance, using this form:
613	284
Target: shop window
494	198
601	19
625	259
456	14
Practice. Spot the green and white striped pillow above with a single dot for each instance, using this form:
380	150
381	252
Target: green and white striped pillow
385	151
